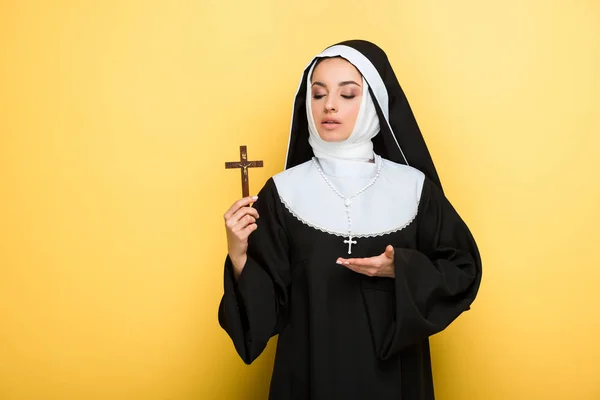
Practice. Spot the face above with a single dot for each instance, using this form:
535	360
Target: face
336	95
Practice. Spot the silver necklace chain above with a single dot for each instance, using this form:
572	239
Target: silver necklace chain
348	200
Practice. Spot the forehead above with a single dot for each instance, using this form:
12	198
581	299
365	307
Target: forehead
336	67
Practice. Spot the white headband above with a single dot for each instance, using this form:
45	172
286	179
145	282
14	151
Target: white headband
359	145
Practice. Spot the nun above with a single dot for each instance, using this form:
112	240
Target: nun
352	255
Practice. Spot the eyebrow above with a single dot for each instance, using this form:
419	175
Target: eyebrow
344	83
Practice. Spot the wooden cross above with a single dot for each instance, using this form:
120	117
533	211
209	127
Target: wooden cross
350	242
244	164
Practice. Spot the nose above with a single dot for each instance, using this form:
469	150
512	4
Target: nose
330	105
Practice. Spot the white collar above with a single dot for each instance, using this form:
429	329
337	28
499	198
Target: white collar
348	168
389	205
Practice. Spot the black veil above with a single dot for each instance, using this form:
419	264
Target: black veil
399	140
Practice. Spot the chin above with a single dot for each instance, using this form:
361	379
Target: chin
333	136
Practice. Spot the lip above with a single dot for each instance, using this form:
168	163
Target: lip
335	121
330	124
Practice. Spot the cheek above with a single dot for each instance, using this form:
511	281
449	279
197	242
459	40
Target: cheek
314	107
353	110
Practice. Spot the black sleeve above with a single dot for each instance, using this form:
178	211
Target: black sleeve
252	309
437	281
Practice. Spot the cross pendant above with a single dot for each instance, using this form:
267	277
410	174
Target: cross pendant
244	164
350	242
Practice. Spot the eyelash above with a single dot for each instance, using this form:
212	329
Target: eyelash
320	96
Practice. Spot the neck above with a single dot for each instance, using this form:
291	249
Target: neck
342	168
341	150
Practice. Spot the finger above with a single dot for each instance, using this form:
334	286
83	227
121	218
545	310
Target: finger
352	267
238	204
245	233
244	202
362	262
243	223
389	251
361	270
240	214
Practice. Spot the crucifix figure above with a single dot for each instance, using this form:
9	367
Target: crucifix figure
350	242
244	164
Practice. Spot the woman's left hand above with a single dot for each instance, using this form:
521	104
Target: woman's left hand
381	265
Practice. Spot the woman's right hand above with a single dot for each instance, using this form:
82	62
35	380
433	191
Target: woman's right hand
240	222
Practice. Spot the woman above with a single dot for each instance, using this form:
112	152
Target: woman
353	255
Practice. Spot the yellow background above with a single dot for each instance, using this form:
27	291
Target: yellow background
116	118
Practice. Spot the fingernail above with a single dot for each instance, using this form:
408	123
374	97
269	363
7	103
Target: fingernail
338	262
254	197
347	263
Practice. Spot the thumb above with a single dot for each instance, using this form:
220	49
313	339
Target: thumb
389	251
